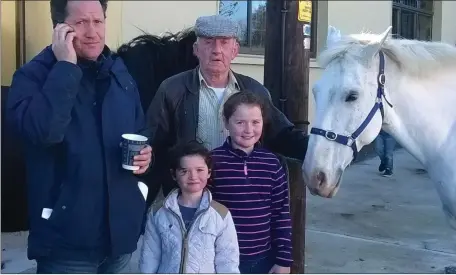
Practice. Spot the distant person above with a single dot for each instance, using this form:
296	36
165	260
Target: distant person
71	104
384	147
190	232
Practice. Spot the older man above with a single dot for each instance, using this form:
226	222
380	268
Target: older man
71	104
187	106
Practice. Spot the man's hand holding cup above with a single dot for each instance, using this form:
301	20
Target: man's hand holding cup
136	153
143	160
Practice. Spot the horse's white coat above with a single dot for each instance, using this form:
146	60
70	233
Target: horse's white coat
421	86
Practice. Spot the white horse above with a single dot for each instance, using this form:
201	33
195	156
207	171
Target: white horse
416	105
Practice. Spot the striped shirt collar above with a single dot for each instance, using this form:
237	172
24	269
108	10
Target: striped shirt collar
238	152
231	80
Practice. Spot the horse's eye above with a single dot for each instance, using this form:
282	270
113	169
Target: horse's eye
351	97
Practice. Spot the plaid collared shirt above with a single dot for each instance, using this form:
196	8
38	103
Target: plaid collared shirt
211	129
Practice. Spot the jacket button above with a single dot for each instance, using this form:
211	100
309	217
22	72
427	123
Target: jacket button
63	207
95	103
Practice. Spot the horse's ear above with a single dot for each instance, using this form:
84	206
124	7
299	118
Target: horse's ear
333	36
374	47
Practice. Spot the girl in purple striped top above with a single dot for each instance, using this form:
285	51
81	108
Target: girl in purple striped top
250	181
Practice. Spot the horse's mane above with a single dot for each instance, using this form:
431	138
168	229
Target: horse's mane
151	59
414	57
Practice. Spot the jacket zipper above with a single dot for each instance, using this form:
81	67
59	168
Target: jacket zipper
246	172
183	231
185	234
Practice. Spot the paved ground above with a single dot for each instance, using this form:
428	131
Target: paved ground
379	225
373	225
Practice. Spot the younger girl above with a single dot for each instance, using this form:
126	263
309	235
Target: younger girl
189	232
251	182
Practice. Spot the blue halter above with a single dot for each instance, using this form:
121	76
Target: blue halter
351	140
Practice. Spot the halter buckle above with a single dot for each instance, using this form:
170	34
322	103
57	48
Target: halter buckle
381	79
330	135
350	141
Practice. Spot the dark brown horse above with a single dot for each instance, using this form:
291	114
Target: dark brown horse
150	60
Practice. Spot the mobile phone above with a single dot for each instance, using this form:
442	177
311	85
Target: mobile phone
56	23
59	22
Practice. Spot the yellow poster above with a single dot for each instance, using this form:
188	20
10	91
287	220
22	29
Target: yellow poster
305	10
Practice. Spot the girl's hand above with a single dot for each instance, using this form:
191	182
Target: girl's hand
277	269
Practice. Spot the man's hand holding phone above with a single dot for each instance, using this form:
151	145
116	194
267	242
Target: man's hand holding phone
62	43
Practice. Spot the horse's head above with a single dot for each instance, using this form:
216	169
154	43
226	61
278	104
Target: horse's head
344	96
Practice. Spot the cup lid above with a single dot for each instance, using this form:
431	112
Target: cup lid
134	137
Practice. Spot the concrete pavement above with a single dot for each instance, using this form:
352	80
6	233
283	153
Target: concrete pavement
380	225
373	225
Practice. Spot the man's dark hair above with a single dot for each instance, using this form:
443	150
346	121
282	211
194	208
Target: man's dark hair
192	148
247	98
59	10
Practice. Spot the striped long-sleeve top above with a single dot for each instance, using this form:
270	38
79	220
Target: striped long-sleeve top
254	188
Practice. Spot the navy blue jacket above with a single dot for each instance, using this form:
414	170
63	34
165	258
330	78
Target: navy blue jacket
71	118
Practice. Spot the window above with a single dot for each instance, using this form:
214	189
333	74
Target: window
412	19
251	16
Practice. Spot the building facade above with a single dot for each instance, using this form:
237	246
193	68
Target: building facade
414	19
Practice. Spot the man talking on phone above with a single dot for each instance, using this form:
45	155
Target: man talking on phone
70	106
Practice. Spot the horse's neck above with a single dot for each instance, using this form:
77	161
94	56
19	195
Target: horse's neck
422	117
423	121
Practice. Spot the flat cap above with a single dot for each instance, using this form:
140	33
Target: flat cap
216	26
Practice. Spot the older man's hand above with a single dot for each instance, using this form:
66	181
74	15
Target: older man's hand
143	160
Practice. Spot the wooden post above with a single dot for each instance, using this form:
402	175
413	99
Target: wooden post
20	34
286	75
